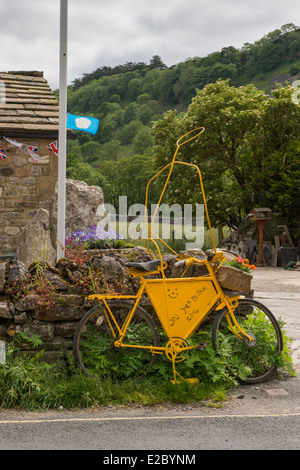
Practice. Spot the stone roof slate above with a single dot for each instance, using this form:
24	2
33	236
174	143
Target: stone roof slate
28	106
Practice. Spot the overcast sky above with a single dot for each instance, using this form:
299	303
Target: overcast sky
108	33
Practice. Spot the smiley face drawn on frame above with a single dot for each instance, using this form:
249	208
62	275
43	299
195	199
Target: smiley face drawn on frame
173	293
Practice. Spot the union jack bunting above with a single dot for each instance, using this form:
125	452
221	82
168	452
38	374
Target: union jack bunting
2	154
32	152
30	149
13	142
53	147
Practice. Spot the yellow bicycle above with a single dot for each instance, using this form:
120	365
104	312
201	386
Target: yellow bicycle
245	334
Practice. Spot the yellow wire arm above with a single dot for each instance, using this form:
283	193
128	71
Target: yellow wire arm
179	143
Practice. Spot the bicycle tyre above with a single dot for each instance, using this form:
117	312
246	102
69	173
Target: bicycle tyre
93	343
255	363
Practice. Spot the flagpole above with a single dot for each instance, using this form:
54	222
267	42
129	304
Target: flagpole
62	132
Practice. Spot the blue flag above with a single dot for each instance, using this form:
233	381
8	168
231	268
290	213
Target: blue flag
82	123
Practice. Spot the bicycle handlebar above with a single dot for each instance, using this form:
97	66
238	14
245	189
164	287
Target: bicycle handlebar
189	262
210	258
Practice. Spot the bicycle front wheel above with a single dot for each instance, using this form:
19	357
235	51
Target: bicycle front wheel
94	339
250	361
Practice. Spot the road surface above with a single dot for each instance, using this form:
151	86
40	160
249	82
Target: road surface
256	417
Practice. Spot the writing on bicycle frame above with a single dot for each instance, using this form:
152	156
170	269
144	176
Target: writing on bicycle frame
189	308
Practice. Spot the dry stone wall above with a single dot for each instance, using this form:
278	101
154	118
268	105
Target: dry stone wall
54	317
58	300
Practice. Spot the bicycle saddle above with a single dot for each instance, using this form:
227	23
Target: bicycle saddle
146	266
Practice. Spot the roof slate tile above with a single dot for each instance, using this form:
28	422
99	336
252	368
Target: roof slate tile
28	105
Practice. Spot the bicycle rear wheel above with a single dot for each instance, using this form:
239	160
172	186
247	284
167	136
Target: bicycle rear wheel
93	343
255	361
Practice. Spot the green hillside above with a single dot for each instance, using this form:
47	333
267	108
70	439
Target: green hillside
128	99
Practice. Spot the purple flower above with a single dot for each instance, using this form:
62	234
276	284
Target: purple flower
93	238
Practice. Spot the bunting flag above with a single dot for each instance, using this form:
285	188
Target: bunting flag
53	147
13	142
30	149
82	123
2	154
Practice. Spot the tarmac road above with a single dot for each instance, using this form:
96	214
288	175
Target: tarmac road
279	290
264	416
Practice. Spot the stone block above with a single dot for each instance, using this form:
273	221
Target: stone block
82	207
16	271
4	311
69	309
33	243
2	277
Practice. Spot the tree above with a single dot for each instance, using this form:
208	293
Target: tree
283	194
246	142
157	63
82	171
127	133
143	140
90	151
129	177
95	153
230	55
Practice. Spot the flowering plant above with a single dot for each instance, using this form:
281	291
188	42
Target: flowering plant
94	238
240	263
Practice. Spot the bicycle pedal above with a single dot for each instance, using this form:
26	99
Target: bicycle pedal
201	346
189	381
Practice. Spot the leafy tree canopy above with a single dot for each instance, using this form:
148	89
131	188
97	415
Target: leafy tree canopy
249	140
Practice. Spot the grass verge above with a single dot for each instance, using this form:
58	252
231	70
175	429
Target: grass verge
29	383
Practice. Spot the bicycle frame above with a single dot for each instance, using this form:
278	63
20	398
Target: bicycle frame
181	304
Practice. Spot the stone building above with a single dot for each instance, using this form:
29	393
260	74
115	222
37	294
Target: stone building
29	114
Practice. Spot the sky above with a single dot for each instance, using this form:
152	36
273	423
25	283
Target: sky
109	33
